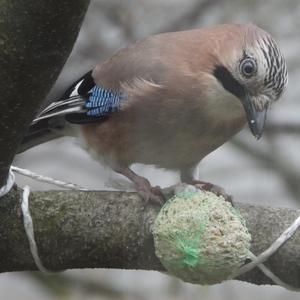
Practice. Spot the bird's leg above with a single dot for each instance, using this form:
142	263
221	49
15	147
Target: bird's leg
206	186
143	186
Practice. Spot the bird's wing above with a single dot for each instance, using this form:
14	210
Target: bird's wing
138	71
72	101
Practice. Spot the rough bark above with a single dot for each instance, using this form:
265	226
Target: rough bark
35	38
113	230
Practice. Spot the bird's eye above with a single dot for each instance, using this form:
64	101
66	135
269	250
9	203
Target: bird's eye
248	67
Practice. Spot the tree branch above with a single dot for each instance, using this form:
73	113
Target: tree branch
113	230
36	38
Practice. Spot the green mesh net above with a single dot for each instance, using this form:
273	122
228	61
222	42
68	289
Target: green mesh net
200	238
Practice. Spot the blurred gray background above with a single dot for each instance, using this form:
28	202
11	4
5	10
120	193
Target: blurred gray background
264	172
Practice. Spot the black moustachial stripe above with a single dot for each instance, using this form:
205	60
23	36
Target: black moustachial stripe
229	82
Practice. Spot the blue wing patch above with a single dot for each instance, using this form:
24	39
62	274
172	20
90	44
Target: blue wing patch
102	102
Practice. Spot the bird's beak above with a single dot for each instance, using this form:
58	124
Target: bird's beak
256	118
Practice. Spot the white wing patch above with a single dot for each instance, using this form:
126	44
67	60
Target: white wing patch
76	87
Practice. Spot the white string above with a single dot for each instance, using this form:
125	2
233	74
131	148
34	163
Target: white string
272	249
27	219
28	226
9	184
258	260
47	179
272	276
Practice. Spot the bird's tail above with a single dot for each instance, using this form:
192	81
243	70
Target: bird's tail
43	131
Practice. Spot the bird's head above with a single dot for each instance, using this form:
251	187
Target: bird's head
252	68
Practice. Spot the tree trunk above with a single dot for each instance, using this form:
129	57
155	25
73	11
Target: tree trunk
36	38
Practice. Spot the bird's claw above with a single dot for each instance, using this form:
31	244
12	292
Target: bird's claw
210	187
150	194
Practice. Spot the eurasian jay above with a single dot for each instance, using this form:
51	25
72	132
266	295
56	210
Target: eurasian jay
171	99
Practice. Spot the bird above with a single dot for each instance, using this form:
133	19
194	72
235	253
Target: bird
171	99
